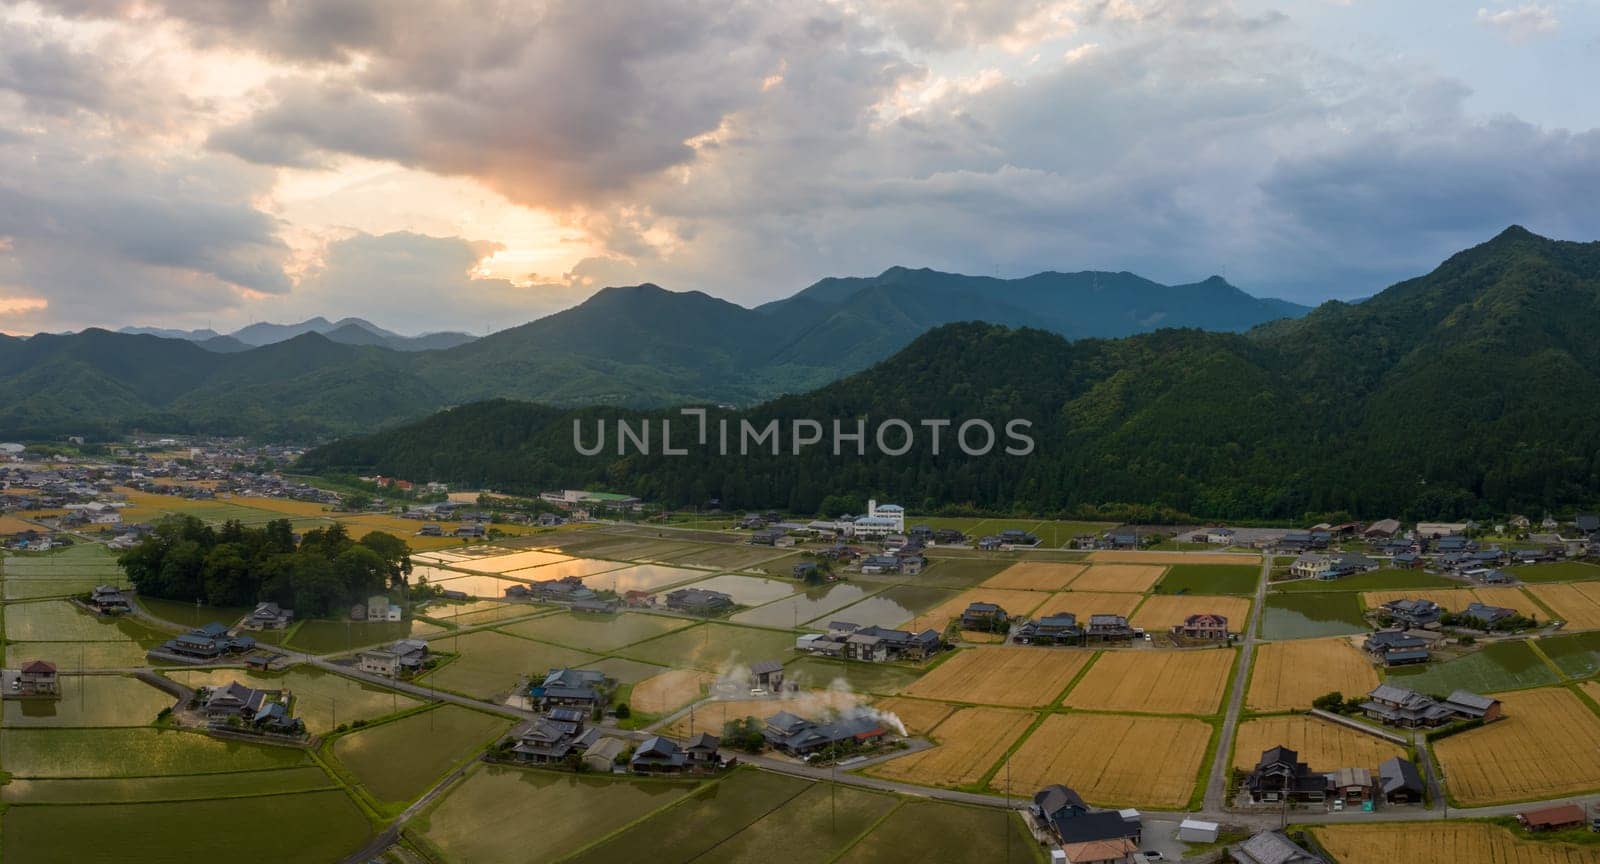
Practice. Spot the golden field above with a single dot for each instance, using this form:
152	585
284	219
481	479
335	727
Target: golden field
1016	603
1162	611
1086	603
1155	682
1457	599
919	715
1547	745
669	691
967	744
1036	576
1111	760
1577	603
1287	676
1455	842
1322	745
1134	578
1013	676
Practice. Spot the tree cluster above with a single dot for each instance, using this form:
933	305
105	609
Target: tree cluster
318	573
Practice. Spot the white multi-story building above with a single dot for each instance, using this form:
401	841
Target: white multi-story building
892	512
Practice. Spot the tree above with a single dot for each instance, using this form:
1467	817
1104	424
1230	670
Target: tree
1329	702
361	571
396	554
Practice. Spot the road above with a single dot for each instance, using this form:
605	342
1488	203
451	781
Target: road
1217	781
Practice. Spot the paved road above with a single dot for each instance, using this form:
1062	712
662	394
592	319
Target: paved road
1217	781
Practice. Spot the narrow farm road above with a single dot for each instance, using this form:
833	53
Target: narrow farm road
1217	781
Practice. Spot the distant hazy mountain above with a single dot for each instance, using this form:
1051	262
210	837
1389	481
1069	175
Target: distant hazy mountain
350	331
638	346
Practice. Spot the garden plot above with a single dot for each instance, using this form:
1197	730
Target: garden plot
1322	745
1011	676
1112	760
1287	676
1155	682
1132	578
1036	576
1160	612
968	743
1547	745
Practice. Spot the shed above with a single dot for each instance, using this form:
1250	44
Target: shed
1196	831
1552	818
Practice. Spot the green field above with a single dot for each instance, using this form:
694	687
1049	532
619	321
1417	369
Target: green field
56	753
814	826
713	647
92	700
491	662
1309	615
693	826
60	621
727	557
1557	571
70	656
626	671
811	603
878	678
190	615
74	562
600	633
322	699
490	815
180	787
399	760
311	826
953	572
1576	654
1377	580
1499	666
947	833
889	608
328	637
1210	579
33	589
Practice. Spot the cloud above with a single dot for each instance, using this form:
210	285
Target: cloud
419	283
1522	23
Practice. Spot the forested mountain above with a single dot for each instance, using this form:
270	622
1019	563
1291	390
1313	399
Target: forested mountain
1469	391
639	346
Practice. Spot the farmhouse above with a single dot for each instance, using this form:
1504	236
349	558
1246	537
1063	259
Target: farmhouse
108	599
1399	781
699	601
766	675
1108	628
800	737
871	644
379	608
1280	775
983	616
1486	616
1473	707
804	570
1063	813
1414	613
207	643
1397	647
1382	528
1203	626
555	737
880	564
571	688
658	755
269	616
403	657
1553	818
1398	706
1219	536
36	679
235	700
1058	629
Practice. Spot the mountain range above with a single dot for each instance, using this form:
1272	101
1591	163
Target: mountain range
346	331
638	346
1468	392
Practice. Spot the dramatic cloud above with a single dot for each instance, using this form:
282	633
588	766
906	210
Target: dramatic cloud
462	163
1522	23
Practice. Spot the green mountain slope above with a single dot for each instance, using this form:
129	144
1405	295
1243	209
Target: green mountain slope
1469	391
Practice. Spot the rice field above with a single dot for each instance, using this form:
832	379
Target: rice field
1036	576
1210	579
919	716
1311	615
888	608
810	603
1134	557
91	700
1456	841
1133	578
513	561
1155	682
1577	603
177	787
1288	676
1322	745
598	633
1576	654
669	691
713	647
490	663
1547	745
1557	571
813	826
1011	676
399	760
322	699
1162	611
749	590
967	744
820	673
642	577
1494	667
920	831
1112	760
135	752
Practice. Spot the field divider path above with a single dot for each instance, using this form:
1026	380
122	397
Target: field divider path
1217	783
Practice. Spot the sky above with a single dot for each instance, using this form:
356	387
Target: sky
475	164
